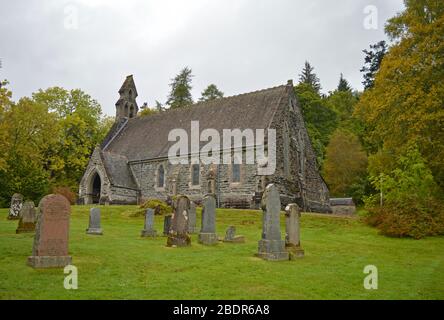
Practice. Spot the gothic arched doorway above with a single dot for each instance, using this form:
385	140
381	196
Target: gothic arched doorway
96	188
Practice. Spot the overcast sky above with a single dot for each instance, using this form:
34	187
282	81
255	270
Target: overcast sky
240	45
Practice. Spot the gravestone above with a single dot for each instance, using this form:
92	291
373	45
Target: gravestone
192	218
16	206
271	246
28	217
230	236
149	231
178	234
94	222
167	225
207	235
50	249
292	227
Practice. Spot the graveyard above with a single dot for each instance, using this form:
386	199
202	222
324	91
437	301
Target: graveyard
118	263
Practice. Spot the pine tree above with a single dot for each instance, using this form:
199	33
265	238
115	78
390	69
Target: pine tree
180	95
309	77
211	93
373	59
343	86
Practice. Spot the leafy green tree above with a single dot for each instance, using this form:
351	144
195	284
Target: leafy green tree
320	120
180	94
78	116
343	85
373	59
405	105
410	205
211	93
309	77
345	163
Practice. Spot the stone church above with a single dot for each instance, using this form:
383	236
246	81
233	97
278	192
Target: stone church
132	165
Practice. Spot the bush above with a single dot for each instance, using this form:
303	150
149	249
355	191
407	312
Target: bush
408	219
67	193
160	207
411	206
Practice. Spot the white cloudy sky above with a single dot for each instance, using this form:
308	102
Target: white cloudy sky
240	45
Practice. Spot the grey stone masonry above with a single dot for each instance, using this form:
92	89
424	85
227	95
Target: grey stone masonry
192	218
230	236
167	225
271	246
94	222
149	231
178	234
28	217
293	233
16	206
207	235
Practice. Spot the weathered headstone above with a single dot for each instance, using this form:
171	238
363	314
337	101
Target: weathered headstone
149	231
28	217
16	206
192	218
94	227
207	233
178	234
271	246
230	236
167	225
50	248
292	227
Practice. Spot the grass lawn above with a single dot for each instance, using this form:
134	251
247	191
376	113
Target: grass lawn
122	265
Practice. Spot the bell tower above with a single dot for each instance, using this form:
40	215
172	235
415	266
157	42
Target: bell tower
126	106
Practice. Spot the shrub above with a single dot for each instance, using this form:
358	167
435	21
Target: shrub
67	193
411	207
160	207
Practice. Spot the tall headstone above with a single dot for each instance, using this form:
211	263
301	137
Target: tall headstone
192	218
230	236
16	206
94	227
50	248
149	231
167	225
271	246
207	233
28	217
178	234
293	235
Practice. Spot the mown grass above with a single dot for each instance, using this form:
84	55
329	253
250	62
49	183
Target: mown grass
122	265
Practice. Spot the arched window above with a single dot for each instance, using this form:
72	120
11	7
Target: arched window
195	174
126	110
235	173
160	177
131	112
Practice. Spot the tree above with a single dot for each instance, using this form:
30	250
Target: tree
211	93
78	116
320	120
373	59
180	94
410	205
345	163
405	105
309	77
343	85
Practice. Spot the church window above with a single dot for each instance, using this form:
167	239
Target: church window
161	177
195	174
235	173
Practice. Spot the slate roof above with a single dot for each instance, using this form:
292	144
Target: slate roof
117	170
145	138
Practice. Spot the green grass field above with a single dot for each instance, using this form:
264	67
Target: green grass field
122	265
